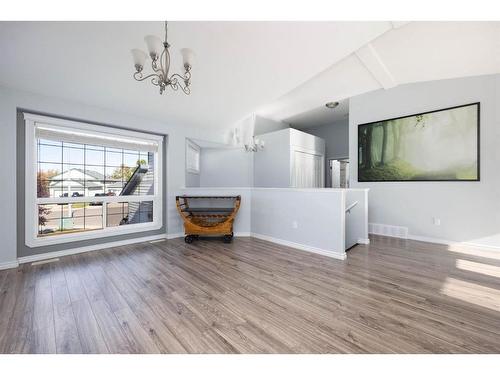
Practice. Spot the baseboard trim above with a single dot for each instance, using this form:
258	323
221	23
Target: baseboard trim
441	241
243	234
298	246
9	265
452	243
84	249
364	241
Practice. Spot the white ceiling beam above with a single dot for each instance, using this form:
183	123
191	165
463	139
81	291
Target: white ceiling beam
398	24
370	58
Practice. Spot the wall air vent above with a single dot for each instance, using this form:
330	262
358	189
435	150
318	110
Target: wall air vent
388	230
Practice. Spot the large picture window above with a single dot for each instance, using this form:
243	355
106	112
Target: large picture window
87	181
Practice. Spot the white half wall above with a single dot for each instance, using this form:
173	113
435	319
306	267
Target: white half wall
469	212
311	219
356	217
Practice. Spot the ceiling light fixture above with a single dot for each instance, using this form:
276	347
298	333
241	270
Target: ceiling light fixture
161	64
331	105
255	145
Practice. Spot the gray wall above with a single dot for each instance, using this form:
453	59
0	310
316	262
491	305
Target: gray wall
12	100
469	211
226	168
272	165
22	249
336	136
192	179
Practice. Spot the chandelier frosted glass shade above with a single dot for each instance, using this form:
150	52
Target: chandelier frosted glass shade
139	57
187	56
160	65
154	45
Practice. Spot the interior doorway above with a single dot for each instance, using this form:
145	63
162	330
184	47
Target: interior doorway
338	170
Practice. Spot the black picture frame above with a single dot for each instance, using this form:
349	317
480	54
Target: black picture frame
478	126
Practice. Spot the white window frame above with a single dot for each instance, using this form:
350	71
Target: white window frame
194	146
32	201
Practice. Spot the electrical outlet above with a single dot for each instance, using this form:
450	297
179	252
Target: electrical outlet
436	221
295	224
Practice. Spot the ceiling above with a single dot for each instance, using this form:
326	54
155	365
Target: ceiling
409	52
284	71
239	66
320	116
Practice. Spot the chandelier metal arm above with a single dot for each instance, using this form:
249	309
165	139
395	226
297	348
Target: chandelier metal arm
161	68
165	68
139	77
187	76
184	78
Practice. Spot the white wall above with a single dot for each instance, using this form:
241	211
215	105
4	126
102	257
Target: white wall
469	211
264	125
226	168
10	100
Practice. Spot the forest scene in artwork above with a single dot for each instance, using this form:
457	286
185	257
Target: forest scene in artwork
434	146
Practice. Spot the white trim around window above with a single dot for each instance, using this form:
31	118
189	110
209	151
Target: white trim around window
110	137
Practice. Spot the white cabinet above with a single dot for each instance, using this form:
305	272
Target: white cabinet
290	158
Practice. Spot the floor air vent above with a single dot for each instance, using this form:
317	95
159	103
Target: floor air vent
51	260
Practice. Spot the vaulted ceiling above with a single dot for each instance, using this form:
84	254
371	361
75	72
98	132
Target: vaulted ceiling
409	52
277	69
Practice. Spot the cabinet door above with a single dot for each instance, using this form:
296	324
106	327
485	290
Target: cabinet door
307	170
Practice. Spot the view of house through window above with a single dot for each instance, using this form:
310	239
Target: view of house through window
92	186
78	170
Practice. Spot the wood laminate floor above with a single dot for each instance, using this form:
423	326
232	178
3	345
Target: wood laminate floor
252	296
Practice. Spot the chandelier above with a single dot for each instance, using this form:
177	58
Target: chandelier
255	145
160	64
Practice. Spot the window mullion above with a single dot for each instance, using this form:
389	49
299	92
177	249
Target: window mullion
104	215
